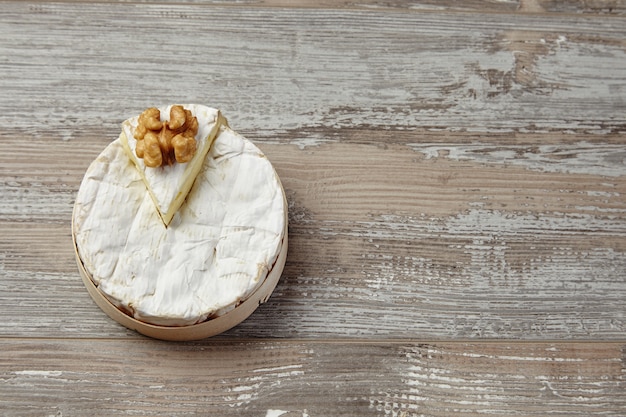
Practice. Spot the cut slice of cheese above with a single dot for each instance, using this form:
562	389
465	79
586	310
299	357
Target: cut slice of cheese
168	185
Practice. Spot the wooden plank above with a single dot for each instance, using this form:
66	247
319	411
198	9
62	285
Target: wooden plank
472	188
287	71
602	7
440	239
304	378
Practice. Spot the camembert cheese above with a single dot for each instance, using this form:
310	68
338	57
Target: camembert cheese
216	251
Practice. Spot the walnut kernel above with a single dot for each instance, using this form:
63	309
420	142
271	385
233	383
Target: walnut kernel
184	147
152	157
177	117
160	142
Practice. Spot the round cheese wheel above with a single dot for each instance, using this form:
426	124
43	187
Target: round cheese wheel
225	245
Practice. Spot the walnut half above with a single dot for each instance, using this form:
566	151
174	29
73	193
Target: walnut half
160	143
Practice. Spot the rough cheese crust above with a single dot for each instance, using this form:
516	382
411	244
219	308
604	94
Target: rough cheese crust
216	251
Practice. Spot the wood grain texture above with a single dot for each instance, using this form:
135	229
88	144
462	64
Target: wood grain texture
498	251
455	173
298	378
287	71
603	7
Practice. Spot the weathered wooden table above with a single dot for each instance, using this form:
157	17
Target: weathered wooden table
456	179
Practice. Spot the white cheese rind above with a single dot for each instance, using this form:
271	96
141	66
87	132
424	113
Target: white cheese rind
216	251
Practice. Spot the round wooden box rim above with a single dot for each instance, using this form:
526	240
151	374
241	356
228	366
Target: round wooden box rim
206	328
197	331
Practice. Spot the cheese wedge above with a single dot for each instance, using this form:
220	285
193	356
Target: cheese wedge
169	185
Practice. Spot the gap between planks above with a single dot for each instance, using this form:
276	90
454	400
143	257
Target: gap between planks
524	7
223	340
